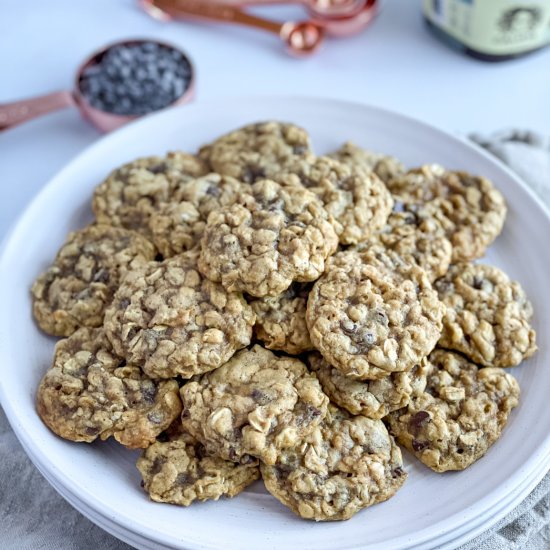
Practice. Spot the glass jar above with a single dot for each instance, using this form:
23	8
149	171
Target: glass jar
492	30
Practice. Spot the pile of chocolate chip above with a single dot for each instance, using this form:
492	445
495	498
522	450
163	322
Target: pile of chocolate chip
136	79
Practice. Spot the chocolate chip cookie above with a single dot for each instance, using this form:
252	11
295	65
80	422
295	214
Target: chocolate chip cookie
369	320
356	198
273	236
346	464
135	191
172	321
371	398
179	471
469	208
256	405
257	151
417	237
89	393
488	316
281	320
178	226
87	270
385	167
461	413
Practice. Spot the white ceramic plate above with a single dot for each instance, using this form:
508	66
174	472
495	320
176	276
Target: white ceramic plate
101	480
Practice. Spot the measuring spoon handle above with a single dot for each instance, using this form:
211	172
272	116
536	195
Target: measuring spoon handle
17	112
215	11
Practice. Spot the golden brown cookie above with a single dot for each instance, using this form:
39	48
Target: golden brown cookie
178	226
357	199
87	270
469	208
461	413
257	151
89	393
417	237
256	404
179	471
372	398
273	236
369	319
487	317
347	463
172	321
135	191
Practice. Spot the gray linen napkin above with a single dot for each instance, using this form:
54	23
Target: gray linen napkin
33	516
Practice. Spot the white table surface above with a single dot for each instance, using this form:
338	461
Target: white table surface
396	64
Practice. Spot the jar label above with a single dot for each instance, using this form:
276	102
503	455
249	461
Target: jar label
498	27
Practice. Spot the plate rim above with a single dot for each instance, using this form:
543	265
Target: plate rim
542	451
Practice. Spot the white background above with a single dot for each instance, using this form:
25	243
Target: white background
396	64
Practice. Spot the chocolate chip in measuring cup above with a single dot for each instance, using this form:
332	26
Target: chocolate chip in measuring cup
136	79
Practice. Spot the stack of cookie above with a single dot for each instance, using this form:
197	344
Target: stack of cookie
258	310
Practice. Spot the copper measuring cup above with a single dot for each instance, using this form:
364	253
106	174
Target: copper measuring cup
301	38
12	114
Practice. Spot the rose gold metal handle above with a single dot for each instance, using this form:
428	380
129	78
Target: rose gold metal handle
301	38
12	114
322	8
215	11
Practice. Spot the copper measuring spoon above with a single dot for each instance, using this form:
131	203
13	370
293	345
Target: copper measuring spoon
12	114
301	38
317	8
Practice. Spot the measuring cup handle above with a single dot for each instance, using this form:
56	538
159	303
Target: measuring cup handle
12	114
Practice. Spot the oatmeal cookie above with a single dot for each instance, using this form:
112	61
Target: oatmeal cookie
281	320
385	167
256	404
179	471
178	226
357	199
80	284
369	320
459	416
417	237
257	151
89	393
488	316
135	191
275	235
469	208
172	321
346	464
371	398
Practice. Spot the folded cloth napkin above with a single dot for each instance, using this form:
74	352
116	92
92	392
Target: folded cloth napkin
527	153
33	516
